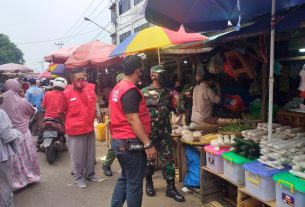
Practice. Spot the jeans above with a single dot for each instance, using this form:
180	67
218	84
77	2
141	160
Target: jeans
130	185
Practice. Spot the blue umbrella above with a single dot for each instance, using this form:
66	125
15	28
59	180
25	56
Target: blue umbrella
210	15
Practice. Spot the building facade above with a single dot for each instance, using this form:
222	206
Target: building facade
127	17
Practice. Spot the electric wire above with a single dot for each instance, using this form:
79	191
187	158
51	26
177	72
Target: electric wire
70	29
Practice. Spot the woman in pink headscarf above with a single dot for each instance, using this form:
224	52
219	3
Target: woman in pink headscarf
25	164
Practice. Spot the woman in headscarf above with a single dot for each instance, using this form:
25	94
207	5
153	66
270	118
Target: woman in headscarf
25	164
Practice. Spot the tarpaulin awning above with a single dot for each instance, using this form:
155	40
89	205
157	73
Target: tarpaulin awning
291	21
45	74
94	53
61	55
209	15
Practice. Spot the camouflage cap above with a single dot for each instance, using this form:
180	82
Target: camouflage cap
157	69
119	77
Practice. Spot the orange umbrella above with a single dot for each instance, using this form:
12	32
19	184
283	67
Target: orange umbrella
94	53
61	55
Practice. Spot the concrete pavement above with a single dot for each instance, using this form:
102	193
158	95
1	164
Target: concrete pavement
56	187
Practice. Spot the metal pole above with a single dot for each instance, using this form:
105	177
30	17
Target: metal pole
159	58
271	79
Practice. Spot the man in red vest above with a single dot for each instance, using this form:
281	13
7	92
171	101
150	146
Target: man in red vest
130	129
79	126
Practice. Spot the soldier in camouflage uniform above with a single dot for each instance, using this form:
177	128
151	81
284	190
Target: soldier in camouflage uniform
161	102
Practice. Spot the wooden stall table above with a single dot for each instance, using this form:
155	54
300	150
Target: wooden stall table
213	186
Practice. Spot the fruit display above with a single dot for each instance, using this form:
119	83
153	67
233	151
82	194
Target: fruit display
207	139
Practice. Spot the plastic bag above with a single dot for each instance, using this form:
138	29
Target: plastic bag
255	89
192	178
234	103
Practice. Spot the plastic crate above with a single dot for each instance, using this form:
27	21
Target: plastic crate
259	180
290	190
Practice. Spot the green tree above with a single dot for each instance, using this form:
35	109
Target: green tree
9	52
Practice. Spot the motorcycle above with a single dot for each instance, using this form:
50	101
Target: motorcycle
52	139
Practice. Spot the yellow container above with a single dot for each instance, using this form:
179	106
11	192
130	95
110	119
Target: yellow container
101	132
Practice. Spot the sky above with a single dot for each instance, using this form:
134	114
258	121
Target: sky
36	25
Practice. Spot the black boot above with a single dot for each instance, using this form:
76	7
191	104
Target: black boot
150	191
107	170
172	192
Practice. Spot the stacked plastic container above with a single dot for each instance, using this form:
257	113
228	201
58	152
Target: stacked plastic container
214	158
233	167
290	190
259	180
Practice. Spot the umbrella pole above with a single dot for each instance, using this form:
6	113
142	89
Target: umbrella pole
271	79
159	58
96	73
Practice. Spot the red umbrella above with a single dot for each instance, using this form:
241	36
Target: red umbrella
14	68
94	53
61	55
45	74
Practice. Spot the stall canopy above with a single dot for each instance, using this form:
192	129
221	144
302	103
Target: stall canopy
14	68
289	22
155	38
45	74
210	15
61	55
94	53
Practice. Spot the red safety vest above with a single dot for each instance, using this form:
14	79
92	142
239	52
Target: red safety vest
119	126
81	109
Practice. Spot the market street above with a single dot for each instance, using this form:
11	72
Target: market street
56	189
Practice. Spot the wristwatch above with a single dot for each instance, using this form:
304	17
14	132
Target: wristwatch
149	145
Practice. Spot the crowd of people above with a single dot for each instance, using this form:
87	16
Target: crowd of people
139	125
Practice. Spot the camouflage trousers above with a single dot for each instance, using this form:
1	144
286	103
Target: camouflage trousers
164	145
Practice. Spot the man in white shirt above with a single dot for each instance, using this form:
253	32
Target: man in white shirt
204	97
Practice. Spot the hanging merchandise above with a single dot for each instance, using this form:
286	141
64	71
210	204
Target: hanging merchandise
228	70
234	103
216	64
277	68
255	89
